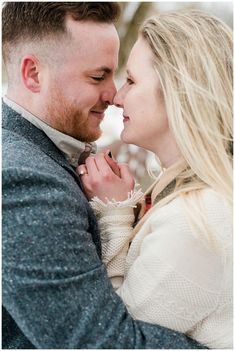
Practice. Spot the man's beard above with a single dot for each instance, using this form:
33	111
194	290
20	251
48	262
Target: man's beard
68	119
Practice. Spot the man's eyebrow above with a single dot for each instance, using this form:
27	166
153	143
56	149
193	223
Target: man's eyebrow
104	69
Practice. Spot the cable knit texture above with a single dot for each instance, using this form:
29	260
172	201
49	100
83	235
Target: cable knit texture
115	243
169	275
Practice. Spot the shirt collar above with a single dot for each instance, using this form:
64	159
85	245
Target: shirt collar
74	150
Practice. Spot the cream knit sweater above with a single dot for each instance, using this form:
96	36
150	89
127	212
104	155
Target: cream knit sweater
167	274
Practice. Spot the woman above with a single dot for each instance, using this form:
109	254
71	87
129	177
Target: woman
174	268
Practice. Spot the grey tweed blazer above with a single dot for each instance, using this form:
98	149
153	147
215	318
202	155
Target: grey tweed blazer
56	293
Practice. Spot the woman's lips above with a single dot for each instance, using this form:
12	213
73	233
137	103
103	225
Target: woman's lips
125	119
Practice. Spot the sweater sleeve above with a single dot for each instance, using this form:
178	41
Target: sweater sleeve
115	221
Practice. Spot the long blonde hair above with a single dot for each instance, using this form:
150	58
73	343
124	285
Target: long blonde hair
193	60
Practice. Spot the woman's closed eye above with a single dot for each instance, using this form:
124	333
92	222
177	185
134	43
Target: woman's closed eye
129	81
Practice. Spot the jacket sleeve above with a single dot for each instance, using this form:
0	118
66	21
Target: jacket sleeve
54	283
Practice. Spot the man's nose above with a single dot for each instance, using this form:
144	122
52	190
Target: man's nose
109	94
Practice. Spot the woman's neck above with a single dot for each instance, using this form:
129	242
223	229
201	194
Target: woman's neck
168	153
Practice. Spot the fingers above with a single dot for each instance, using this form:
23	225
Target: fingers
82	170
91	165
101	165
96	168
98	179
104	169
88	172
112	164
101	168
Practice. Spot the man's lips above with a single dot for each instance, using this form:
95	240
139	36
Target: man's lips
98	114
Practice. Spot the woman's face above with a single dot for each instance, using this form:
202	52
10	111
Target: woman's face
145	119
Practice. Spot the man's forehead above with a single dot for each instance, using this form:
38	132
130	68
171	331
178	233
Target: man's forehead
93	37
89	30
94	45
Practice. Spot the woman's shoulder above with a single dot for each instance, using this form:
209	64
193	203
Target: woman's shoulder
207	198
188	214
213	199
177	233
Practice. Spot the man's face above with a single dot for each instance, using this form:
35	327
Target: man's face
78	86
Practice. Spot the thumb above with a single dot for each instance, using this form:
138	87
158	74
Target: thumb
112	164
126	175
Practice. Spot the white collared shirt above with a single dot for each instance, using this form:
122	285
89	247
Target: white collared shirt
71	147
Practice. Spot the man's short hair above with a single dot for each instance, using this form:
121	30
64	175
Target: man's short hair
23	21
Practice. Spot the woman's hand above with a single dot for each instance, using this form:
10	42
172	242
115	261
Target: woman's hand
101	176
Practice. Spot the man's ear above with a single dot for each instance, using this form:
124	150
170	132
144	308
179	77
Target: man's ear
30	73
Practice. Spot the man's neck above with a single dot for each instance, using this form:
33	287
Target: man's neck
25	101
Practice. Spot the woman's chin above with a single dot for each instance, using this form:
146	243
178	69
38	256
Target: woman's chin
124	138
128	139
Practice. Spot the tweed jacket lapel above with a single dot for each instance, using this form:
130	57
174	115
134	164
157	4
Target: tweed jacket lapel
15	123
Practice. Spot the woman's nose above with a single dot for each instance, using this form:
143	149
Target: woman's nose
109	93
118	99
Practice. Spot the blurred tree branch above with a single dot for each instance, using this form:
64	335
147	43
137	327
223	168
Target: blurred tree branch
129	31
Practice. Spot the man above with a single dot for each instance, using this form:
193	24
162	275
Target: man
60	60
